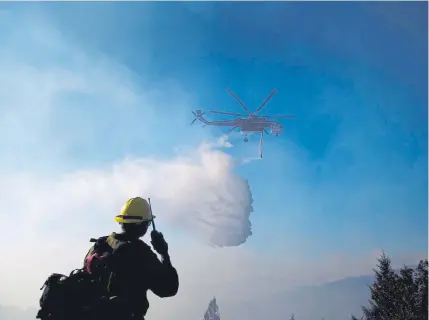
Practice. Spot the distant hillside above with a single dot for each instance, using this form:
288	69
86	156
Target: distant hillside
333	301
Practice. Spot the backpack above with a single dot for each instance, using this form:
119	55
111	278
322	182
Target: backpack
69	297
78	295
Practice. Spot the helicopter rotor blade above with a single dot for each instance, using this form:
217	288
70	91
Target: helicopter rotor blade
193	121
238	100
229	113
266	101
284	117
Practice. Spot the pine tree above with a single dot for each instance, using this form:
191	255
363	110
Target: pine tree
212	312
421	280
407	293
383	291
398	296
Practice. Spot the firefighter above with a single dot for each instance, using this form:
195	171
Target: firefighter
132	267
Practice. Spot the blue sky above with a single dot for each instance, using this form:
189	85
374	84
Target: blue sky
347	176
341	68
346	70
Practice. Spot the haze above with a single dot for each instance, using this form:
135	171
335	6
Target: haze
96	102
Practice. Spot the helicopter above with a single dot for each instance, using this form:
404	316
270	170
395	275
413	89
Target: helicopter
247	123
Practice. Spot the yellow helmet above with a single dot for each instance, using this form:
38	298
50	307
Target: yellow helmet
135	210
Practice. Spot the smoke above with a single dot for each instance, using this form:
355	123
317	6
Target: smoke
223	141
198	193
248	160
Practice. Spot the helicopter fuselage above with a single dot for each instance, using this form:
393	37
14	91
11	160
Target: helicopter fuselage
246	125
258	125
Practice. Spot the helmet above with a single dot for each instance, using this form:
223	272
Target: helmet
135	210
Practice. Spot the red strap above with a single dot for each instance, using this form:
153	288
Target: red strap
90	260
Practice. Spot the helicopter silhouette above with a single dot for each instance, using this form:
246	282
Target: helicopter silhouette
247	123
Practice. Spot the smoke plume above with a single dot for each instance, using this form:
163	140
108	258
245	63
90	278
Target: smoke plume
198	193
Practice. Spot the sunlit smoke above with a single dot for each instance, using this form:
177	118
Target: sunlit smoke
199	193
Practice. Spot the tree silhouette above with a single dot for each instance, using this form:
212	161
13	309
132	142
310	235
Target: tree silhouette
212	312
421	280
398	296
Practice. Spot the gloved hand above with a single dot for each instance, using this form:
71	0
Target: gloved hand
158	242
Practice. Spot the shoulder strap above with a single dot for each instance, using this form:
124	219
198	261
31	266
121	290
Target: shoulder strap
116	244
100	245
113	243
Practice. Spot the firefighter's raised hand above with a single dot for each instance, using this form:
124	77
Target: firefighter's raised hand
158	242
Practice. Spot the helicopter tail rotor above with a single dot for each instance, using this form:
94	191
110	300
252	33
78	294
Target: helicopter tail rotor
197	114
